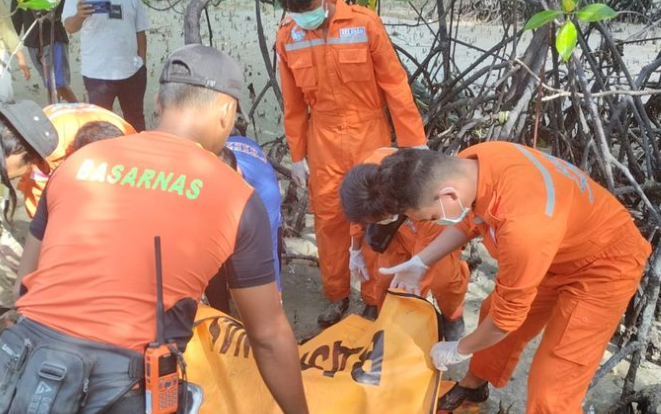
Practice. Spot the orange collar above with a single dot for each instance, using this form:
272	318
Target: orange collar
342	10
486	200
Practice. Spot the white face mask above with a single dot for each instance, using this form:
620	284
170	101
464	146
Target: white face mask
389	220
311	20
447	221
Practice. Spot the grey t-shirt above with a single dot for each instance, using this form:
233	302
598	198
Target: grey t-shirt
108	42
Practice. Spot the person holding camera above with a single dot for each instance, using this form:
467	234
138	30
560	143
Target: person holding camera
379	239
113	51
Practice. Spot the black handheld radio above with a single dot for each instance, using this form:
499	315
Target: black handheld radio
161	375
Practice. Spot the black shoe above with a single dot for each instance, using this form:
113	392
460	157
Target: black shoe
370	312
333	313
452	330
458	395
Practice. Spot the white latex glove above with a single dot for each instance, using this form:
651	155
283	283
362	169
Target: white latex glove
357	265
407	275
444	354
299	173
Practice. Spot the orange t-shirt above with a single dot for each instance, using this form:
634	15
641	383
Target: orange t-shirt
67	118
106	203
538	215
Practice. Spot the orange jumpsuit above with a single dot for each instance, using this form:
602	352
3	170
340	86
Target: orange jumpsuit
570	259
336	88
447	278
67	119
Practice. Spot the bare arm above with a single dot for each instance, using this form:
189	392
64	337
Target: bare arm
274	345
74	23
142	46
23	65
29	261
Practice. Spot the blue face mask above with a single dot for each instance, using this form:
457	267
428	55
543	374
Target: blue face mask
445	221
310	20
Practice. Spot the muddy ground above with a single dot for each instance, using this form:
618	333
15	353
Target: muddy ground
234	30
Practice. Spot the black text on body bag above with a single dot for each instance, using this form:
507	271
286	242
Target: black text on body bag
54	381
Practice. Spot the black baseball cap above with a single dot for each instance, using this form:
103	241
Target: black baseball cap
207	67
31	123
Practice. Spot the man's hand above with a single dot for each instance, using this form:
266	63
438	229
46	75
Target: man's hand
357	265
22	64
74	23
299	173
25	70
273	344
85	10
444	354
407	275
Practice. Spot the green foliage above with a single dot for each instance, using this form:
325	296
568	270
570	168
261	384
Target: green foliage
541	18
43	5
565	41
367	3
568	6
595	12
566	36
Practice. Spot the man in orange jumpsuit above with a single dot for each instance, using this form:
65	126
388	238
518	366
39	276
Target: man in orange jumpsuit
338	71
570	259
67	119
447	279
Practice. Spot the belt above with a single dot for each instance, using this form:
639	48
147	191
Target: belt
339	117
135	368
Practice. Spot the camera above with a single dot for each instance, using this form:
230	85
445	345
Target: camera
99	6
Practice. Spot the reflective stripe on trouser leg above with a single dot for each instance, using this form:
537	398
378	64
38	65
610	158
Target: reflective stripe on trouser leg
335	144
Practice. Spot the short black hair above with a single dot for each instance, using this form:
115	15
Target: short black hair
405	177
227	156
12	143
95	131
296	5
361	196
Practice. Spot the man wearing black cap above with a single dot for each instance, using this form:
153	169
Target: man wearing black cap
26	138
89	259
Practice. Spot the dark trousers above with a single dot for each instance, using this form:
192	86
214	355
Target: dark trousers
130	92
